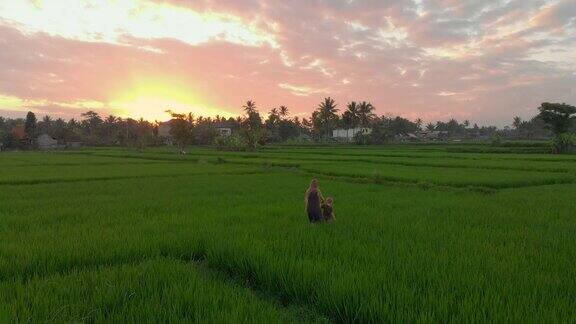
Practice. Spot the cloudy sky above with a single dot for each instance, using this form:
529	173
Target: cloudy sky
482	60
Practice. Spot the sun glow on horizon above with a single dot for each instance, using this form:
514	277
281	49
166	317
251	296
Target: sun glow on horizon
150	98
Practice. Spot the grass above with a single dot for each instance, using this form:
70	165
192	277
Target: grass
447	176
223	244
155	290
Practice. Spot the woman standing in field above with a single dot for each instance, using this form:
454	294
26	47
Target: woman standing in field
313	199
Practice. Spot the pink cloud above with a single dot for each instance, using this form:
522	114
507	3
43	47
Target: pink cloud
384	59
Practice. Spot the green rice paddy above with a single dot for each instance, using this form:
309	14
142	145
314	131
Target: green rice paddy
422	234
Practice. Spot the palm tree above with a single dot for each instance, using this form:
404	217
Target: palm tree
111	119
366	113
273	112
283	111
430	127
327	109
419	123
325	116
517	122
351	116
249	107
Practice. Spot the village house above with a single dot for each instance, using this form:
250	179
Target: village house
47	142
422	136
433	135
343	134
223	128
20	135
407	137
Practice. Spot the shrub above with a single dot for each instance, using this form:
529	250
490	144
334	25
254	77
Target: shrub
496	140
230	143
361	139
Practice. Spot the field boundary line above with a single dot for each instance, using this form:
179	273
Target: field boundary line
196	158
88	164
429	165
424	185
150	158
428	184
501	158
51	181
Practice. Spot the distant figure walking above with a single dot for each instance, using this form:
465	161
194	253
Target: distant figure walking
313	200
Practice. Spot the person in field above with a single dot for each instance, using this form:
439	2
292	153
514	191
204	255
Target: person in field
328	210
313	200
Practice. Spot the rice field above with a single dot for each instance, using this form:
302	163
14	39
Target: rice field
422	234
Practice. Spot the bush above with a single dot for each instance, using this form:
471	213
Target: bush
564	143
230	143
362	139
496	140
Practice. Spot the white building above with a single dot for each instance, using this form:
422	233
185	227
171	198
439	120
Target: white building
350	133
47	142
224	131
223	128
432	135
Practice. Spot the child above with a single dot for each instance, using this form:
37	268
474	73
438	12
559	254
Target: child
328	210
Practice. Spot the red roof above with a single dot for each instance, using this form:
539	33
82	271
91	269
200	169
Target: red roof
19	132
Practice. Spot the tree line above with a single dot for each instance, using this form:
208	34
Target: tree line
252	129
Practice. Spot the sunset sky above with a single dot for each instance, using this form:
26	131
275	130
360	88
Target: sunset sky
485	61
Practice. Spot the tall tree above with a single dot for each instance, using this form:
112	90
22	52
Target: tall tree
557	116
517	122
249	107
419	123
252	129
350	117
92	123
45	125
284	111
366	113
325	117
274	113
181	129
30	125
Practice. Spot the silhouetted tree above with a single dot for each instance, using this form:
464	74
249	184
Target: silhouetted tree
350	117
249	107
557	116
273	125
283	111
365	113
181	129
419	123
30	126
324	118
252	129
